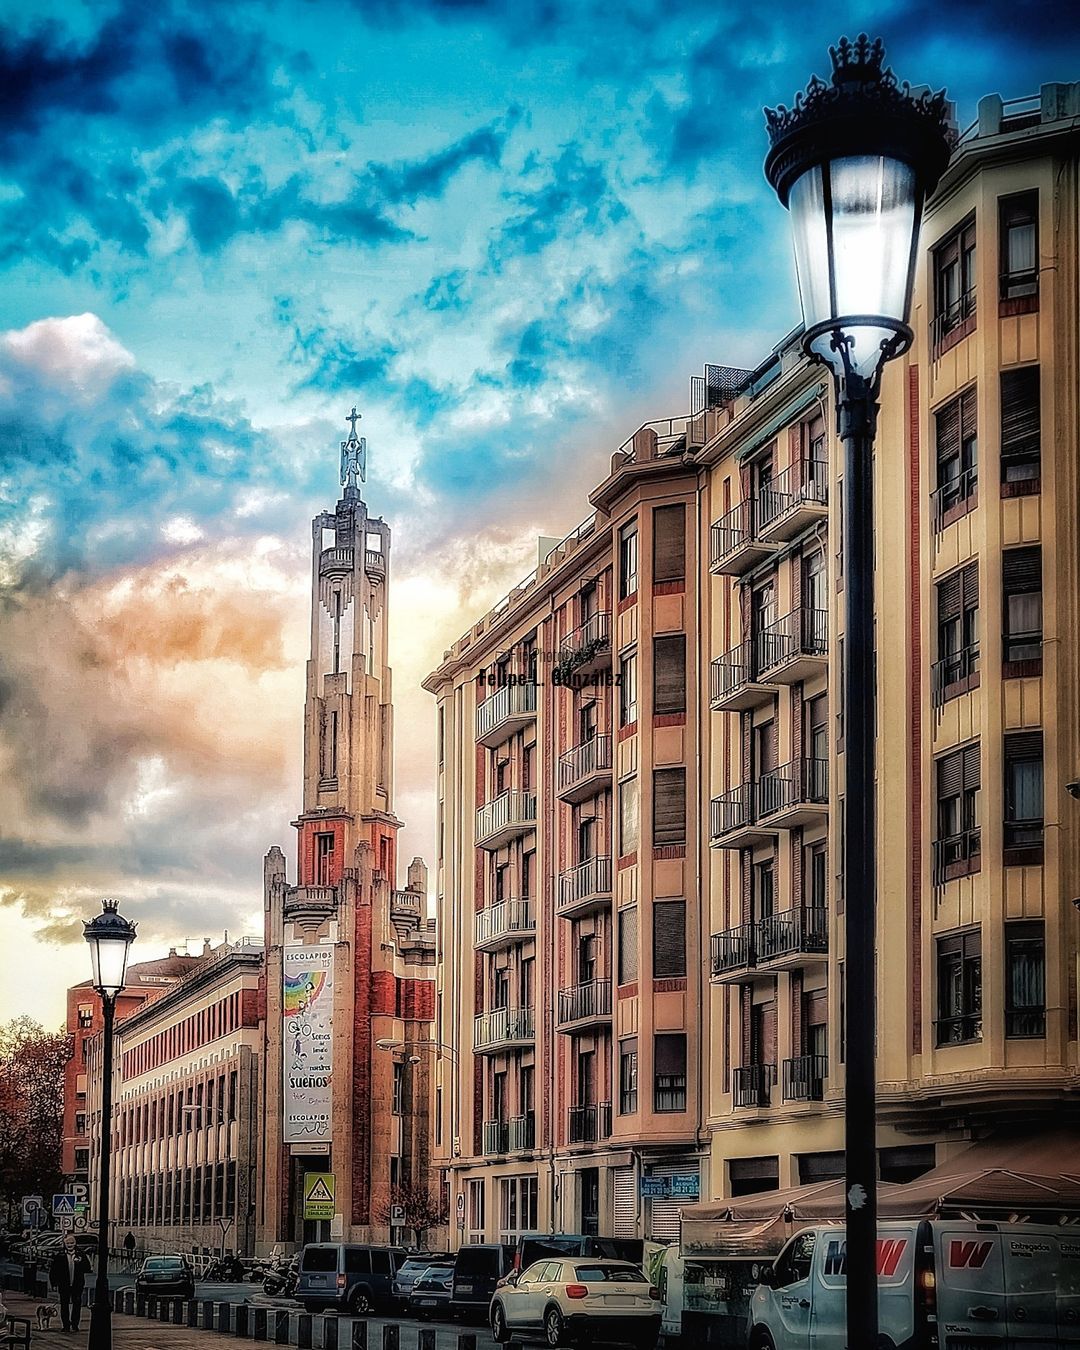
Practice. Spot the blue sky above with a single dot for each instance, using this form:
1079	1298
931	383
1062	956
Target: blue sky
508	232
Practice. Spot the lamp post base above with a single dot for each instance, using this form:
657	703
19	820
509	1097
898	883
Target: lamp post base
101	1321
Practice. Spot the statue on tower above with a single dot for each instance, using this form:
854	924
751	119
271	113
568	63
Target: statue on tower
353	455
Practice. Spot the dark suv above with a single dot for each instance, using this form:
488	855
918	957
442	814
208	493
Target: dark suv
534	1246
478	1268
347	1277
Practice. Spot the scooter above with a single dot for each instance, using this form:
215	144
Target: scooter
280	1282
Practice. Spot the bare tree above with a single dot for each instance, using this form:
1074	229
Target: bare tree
32	1062
422	1209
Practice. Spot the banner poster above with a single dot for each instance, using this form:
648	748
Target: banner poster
308	1042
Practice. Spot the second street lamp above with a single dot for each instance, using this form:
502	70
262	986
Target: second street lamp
854	161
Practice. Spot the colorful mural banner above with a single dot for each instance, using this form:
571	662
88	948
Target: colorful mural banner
308	1042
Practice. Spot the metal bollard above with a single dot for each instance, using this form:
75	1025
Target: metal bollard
391	1334
359	1334
129	1301
179	1310
303	1331
207	1315
258	1329
329	1333
466	1340
427	1338
140	1305
192	1313
223	1317
240	1319
281	1328
164	1309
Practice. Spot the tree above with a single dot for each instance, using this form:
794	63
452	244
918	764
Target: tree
423	1209
32	1063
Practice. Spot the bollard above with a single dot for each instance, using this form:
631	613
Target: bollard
207	1315
466	1340
192	1313
303	1331
179	1311
240	1319
329	1333
427	1338
359	1334
258	1329
223	1317
164	1309
140	1305
129	1301
151	1307
391	1334
281	1328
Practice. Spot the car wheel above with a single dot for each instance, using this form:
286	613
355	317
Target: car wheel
554	1327
500	1332
360	1303
762	1341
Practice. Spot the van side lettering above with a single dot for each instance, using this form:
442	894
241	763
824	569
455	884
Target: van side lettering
968	1255
889	1254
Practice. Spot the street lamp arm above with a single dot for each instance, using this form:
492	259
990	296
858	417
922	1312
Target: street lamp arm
434	1047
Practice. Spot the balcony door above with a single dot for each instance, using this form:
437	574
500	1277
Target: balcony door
815	600
586	958
499	1098
587	722
763	888
763	635
763	1033
500	988
586	1078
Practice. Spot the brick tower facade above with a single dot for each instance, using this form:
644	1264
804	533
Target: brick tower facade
349	957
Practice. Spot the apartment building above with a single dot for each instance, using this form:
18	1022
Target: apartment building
640	902
187	1105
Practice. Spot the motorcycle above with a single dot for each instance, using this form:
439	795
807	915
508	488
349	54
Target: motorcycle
280	1282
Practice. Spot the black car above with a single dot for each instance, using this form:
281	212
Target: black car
431	1293
478	1268
165	1275
417	1263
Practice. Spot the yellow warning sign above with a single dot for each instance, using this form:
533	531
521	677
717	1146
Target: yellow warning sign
318	1195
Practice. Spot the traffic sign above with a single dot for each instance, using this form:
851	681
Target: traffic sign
63	1206
81	1191
397	1214
66	1223
80	1223
318	1195
33	1210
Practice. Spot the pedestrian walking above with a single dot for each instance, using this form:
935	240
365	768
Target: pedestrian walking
129	1250
67	1274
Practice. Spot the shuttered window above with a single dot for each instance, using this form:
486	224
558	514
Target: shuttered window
669	806
1022	622
957	847
669	1067
669	674
628	689
958	646
669	939
669	543
628	816
1025	979
1020	428
628	944
1024	797
959	970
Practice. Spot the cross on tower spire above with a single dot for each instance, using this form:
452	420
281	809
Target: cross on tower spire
353	455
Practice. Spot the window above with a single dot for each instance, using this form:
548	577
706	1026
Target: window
528	760
959	964
1020	432
586	958
586	837
628	689
628	817
1022	622
1025	979
628	1076
956	669
1024	797
474	1208
517	1207
587	722
669	939
763	890
957	847
1018	231
324	860
500	892
528	868
628	944
954	283
500	987
956	438
628	561
526	977
815	875
80	1122
669	674
442	734
669	543
795	1261
669	807
669	1060
399	1088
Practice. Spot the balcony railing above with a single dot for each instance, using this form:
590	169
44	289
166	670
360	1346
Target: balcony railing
577	767
733	541
798	931
957	855
954	674
585	1002
801	490
954	497
496	1138
800	635
510	814
375	561
511	706
950	318
506	922
503	1026
734	684
589	1124
732	949
750	1084
732	810
522	1133
800	782
590	639
586	886
804	1078
335	562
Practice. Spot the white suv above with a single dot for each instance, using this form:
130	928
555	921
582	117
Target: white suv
577	1299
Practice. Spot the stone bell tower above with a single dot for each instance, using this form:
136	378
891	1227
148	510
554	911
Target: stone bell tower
349	956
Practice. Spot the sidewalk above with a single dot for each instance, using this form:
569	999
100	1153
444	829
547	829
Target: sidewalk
129	1333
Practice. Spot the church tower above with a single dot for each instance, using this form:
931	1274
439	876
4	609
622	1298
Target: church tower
349	956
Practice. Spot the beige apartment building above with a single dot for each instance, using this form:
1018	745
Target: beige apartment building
640	910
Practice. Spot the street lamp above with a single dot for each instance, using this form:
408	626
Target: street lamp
853	162
109	935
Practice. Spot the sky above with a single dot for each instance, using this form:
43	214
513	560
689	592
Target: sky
507	232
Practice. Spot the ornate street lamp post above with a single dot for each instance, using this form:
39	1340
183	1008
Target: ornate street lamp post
109	935
853	162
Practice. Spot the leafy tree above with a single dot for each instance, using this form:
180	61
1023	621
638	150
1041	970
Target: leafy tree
32	1062
423	1208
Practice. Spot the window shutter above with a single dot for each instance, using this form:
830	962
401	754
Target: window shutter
669	674
669	1055
1020	413
948	432
669	543
816	1003
669	806
669	939
1021	570
969	586
949	598
968	415
628	944
971	766
1023	745
950	774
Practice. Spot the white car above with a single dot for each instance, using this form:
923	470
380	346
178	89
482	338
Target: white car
577	1299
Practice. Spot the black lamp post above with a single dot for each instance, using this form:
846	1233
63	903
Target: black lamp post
854	161
109	935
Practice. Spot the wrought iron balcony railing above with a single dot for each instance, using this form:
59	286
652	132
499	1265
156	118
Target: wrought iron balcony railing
590	1001
588	882
797	783
522	1132
801	633
496	1138
505	922
510	814
589	1124
795	931
751	1083
580	764
508	707
732	949
802	487
503	1026
804	1078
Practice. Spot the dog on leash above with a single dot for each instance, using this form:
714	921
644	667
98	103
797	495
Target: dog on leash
45	1314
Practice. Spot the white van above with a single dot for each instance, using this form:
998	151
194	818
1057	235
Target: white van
942	1285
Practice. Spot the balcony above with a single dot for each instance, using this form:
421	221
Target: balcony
585	769
502	1029
957	855
589	1124
522	1133
375	562
795	794
804	1078
504	924
585	888
793	648
733	819
585	1005
510	708
751	1084
586	649
335	562
778	941
795	500
496	1138
732	953
955	497
406	905
510	815
734	685
733	543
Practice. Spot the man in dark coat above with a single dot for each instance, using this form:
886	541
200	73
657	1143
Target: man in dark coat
67	1274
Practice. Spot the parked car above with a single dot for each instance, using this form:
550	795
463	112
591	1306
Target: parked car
431	1293
415	1265
347	1277
166	1275
478	1268
532	1246
589	1298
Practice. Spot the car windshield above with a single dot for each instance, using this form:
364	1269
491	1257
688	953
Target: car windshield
320	1258
164	1263
598	1272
